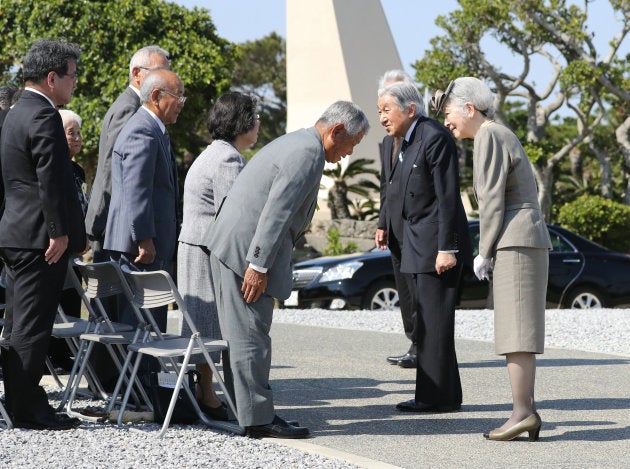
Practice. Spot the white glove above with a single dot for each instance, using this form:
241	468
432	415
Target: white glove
483	267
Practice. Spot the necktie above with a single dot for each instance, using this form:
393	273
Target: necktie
395	149
403	147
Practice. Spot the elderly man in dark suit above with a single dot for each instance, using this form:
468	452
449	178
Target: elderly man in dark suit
267	210
436	242
41	227
144	60
389	233
141	226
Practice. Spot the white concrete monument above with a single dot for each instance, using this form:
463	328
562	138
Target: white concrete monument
337	49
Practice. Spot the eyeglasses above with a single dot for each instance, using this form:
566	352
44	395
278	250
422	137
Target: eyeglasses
180	99
439	98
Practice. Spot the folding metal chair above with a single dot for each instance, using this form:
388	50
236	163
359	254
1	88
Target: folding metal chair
154	289
70	329
104	279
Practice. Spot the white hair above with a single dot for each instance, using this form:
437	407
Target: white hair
471	90
142	57
391	76
68	115
404	93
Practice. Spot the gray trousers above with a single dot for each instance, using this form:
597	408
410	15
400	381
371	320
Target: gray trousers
246	327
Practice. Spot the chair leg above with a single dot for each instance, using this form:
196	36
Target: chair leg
132	378
53	373
178	385
5	417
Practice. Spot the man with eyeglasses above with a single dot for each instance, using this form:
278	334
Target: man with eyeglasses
142	61
42	226
141	230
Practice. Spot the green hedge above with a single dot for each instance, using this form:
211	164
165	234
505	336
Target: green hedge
603	220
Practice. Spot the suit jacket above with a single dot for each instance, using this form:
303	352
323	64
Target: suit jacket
509	212
116	117
144	190
40	197
208	181
434	216
390	214
268	208
3	115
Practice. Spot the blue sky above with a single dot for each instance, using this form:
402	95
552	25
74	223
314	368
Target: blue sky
242	20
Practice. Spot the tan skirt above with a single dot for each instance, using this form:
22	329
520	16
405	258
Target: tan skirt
519	290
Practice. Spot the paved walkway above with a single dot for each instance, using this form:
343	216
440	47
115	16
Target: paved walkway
338	384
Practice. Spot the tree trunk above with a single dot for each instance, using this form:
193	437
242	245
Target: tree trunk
338	201
606	183
622	133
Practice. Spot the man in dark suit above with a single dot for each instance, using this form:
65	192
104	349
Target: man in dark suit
141	228
41	227
267	210
144	60
436	242
389	233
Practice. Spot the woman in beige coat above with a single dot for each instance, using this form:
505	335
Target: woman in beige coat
514	242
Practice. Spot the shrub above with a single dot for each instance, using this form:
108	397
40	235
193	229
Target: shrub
603	220
335	246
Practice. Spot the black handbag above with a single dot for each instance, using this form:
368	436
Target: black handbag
184	411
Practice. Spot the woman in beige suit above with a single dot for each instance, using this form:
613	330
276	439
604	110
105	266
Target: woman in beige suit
514	242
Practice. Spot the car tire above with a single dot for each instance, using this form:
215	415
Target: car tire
381	296
584	298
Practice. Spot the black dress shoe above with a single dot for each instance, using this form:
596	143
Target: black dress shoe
48	422
409	360
215	413
394	359
415	406
278	428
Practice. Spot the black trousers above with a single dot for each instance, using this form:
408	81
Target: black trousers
437	375
32	295
405	285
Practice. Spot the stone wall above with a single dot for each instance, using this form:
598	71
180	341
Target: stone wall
357	231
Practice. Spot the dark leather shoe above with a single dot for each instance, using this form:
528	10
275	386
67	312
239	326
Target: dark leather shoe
48	422
215	413
409	360
416	406
394	359
277	429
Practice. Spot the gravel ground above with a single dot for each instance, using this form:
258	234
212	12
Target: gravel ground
100	446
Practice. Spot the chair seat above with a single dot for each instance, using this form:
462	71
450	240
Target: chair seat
119	338
62	330
177	347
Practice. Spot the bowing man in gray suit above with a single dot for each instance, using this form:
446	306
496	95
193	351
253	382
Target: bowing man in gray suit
267	210
141	226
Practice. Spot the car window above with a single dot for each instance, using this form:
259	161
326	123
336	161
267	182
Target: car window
559	244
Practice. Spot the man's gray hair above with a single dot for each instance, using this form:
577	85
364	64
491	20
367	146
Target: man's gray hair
347	113
153	81
67	114
404	94
471	90
391	76
142	57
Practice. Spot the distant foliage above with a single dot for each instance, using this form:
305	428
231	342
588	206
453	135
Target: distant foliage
336	247
603	220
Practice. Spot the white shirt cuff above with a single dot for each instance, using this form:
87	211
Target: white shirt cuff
257	268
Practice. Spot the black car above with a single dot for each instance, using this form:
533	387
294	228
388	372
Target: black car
582	274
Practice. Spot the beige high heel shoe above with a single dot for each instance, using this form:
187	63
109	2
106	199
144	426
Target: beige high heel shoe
531	425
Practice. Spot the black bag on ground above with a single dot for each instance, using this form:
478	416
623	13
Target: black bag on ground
184	411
